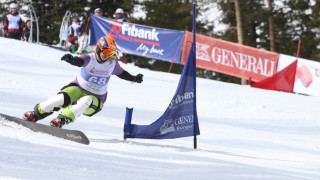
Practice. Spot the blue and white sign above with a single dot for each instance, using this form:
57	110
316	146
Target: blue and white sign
180	119
162	44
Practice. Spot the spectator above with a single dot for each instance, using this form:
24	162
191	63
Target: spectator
120	18
98	12
64	32
72	44
1	30
119	15
75	24
27	31
13	26
82	41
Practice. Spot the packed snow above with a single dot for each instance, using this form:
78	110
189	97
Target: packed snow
246	133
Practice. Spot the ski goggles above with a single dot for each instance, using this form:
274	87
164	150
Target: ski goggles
108	51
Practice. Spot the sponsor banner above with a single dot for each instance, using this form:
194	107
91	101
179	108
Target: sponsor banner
231	58
180	119
307	79
162	44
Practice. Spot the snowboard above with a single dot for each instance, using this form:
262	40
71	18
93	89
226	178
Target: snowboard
72	135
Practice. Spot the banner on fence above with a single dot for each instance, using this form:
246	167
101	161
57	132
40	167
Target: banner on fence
162	44
231	58
307	80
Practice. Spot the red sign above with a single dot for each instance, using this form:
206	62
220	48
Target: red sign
231	58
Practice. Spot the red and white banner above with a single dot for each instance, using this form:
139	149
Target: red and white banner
307	79
231	58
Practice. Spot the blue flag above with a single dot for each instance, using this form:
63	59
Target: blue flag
146	41
180	119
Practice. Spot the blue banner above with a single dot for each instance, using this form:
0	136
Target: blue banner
162	44
180	119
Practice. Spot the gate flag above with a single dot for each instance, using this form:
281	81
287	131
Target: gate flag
180	119
162	44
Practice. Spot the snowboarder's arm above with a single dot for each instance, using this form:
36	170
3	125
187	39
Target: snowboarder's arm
127	76
74	60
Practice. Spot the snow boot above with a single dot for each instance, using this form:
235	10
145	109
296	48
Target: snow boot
35	115
30	116
60	121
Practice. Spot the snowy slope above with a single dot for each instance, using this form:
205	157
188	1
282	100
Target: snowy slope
246	133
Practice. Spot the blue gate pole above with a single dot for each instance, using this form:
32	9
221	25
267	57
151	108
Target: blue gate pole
194	76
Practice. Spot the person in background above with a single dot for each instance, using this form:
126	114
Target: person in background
120	18
98	12
64	32
27	31
88	92
82	41
75	24
72	44
119	15
1	30
13	25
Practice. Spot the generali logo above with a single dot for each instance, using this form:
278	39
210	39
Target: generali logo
242	61
202	52
232	59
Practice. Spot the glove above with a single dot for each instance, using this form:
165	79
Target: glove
138	78
67	57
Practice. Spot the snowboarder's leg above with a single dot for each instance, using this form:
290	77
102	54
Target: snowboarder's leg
47	107
72	112
95	106
64	98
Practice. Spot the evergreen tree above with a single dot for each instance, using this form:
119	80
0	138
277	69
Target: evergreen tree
297	21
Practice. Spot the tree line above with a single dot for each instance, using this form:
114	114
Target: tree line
272	25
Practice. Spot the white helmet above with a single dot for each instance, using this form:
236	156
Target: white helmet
119	10
13	6
98	10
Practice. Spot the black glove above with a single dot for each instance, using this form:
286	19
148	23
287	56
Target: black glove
67	57
138	78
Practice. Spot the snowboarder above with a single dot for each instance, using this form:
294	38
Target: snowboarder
13	25
88	92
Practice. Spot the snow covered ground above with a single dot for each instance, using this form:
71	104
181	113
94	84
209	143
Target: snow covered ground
246	133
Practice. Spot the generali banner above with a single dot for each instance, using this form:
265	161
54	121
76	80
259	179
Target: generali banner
162	44
307	79
231	58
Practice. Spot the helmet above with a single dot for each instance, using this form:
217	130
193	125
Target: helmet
79	31
106	45
98	10
119	10
74	15
13	6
